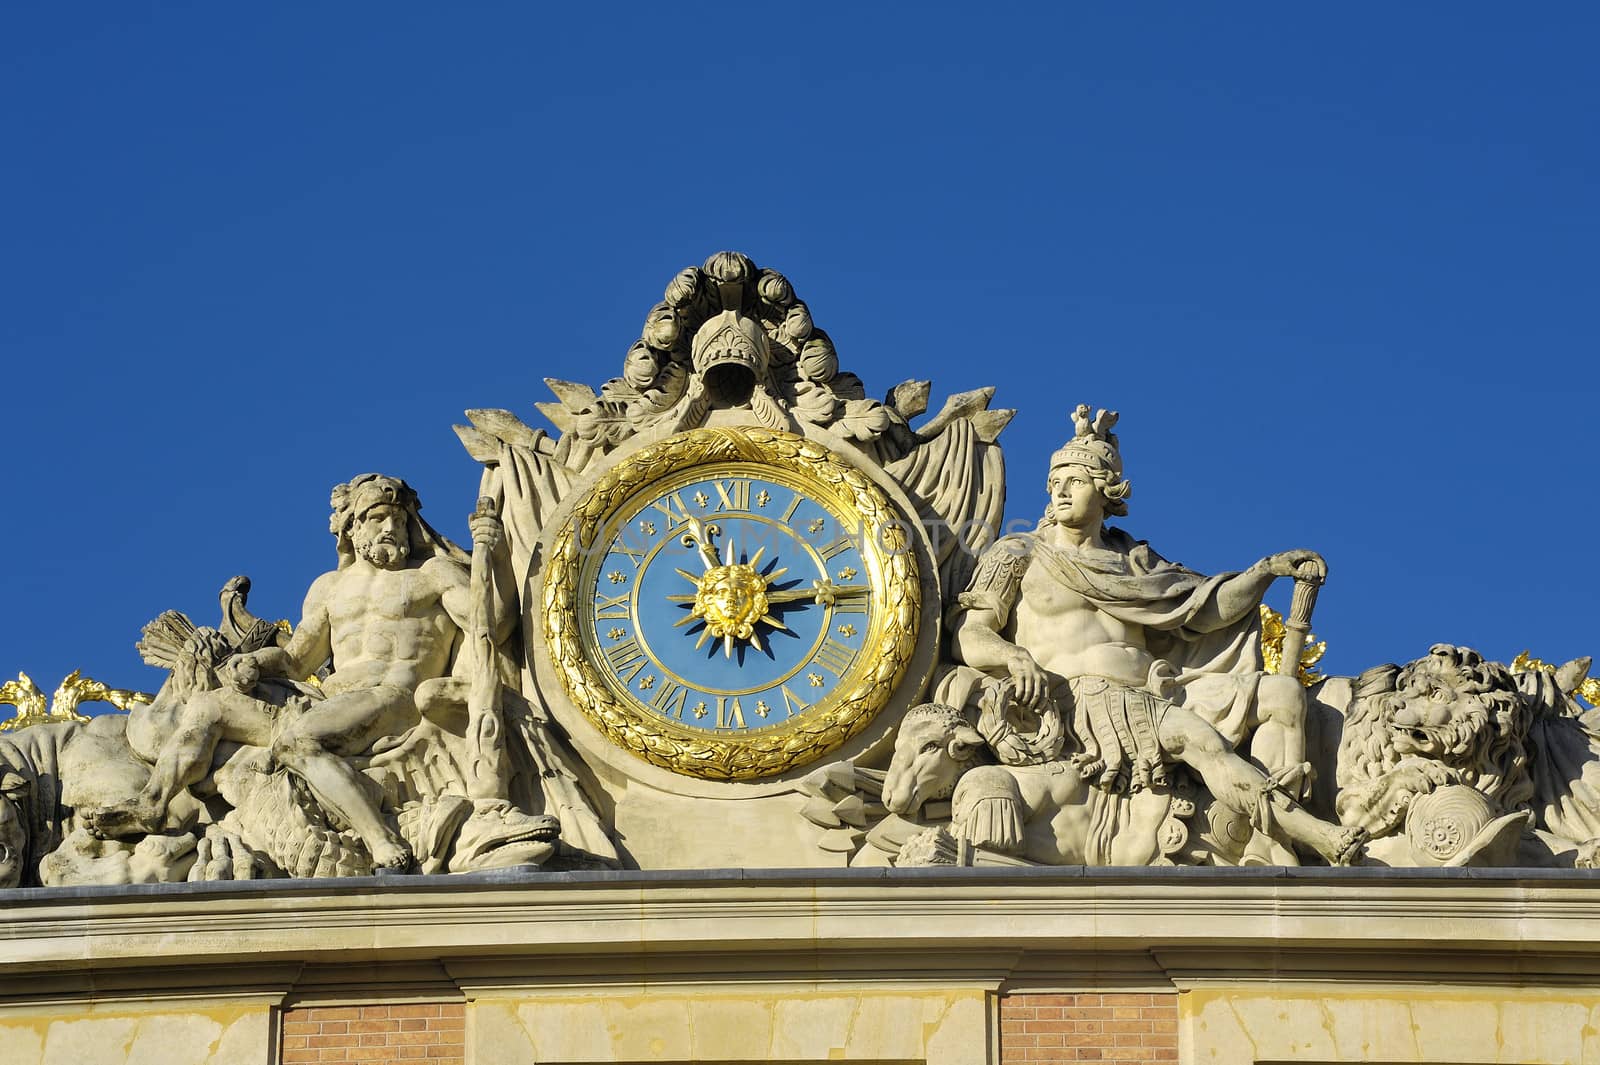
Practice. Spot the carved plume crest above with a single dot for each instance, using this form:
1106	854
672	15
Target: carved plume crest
727	334
1093	445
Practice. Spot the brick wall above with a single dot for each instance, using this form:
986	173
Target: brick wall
1113	1029
413	1034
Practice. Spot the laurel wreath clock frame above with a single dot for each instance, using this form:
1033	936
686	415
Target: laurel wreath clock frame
891	567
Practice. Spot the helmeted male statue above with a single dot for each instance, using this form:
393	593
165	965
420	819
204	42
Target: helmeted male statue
1139	659
391	616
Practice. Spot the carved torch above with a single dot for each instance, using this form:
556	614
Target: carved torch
1297	627
485	729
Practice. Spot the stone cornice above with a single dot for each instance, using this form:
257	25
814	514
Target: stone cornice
994	923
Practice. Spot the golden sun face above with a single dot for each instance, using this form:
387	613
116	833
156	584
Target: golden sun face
730	597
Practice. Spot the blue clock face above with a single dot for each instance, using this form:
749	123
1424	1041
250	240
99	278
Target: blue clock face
729	599
731	603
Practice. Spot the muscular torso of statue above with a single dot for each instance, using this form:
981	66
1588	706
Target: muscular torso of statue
1043	632
390	618
388	628
1071	637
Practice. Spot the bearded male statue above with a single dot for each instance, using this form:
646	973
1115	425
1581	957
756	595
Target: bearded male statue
391	617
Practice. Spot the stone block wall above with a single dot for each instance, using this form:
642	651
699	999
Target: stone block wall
402	1034
1112	1029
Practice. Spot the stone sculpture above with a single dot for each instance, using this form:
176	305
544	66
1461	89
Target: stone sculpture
49	771
254	758
1049	813
388	617
1094	635
1059	696
1454	760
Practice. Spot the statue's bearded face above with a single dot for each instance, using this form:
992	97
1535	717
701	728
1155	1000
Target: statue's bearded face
380	536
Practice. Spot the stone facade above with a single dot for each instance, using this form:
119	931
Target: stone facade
954	967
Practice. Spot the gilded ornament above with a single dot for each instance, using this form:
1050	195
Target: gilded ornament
1588	689
75	688
731	597
1273	632
736	601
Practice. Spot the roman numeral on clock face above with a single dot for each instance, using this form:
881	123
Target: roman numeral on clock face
626	658
837	547
793	703
606	606
729	713
834	657
622	547
669	700
850	604
665	507
733	495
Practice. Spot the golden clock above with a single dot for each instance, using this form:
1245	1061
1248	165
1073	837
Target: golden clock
732	603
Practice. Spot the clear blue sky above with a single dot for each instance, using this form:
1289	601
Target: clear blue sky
1336	268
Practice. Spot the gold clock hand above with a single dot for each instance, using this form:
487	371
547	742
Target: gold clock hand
700	536
823	592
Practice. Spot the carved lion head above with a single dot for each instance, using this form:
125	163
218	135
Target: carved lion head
1451	707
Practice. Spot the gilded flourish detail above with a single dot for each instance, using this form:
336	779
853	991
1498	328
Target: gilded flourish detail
1272	634
32	709
892	634
1588	689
